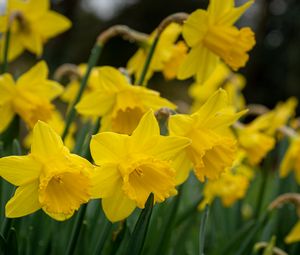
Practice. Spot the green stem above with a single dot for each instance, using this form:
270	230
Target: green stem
76	230
81	137
261	192
203	230
95	54
5	53
141	80
168	225
105	233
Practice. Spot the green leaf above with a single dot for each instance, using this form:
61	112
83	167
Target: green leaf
138	236
12	244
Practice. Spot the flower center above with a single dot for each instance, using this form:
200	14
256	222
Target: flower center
144	176
230	44
62	193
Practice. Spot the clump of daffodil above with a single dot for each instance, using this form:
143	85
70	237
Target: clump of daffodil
164	52
49	178
120	104
133	167
30	96
31	25
212	149
58	124
291	160
211	36
223	77
73	86
255	143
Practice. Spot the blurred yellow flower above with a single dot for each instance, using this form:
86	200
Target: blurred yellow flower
294	235
30	97
73	86
171	66
291	160
256	144
162	54
58	124
132	167
230	187
272	120
211	150
49	177
212	36
33	24
120	104
223	77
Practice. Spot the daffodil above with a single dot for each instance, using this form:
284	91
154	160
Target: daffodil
291	160
255	143
30	97
120	104
33	24
73	86
162	54
276	118
133	167
212	150
230	187
49	178
58	124
211	36
221	77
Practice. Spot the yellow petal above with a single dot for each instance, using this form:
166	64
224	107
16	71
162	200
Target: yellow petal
33	76
200	61
34	9
105	180
52	24
234	14
6	114
24	201
33	42
152	100
294	235
46	143
7	88
146	129
97	103
111	79
167	147
15	49
180	124
108	147
217	9
19	170
118	206
182	166
195	27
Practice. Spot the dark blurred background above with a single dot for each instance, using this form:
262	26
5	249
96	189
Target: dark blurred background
273	72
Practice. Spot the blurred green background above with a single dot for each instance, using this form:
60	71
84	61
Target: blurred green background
273	72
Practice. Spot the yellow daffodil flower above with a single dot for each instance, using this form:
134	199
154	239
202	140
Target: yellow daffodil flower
223	77
230	187
33	24
211	150
211	36
256	144
274	119
294	235
132	167
58	124
30	97
120	104
291	160
49	178
162	54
